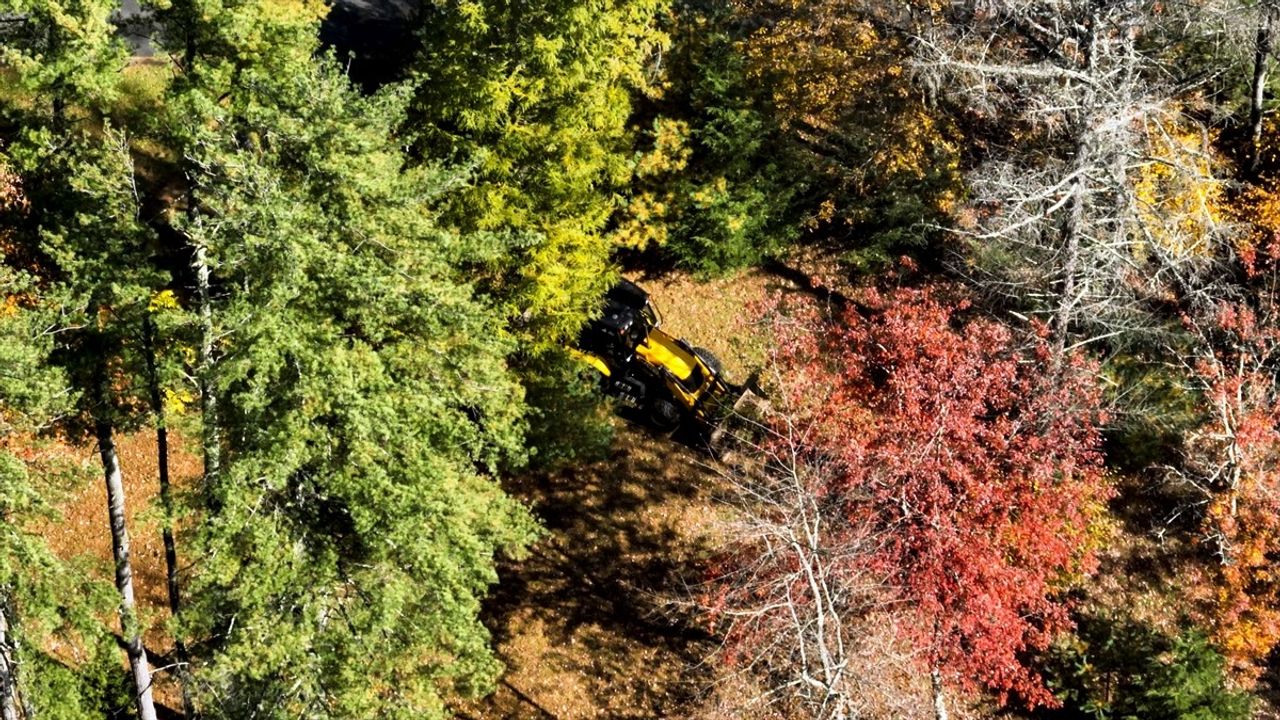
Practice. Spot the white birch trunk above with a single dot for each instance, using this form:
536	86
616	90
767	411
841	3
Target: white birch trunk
8	672
939	696
120	547
210	440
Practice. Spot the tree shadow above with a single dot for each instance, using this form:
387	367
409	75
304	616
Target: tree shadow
1157	542
622	543
807	284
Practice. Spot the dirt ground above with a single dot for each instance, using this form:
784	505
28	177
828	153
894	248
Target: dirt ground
595	623
589	625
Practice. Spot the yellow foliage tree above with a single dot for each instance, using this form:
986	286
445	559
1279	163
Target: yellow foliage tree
1180	202
644	221
838	76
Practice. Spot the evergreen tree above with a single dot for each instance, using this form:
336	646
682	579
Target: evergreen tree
83	230
715	186
83	219
361	397
1116	668
537	96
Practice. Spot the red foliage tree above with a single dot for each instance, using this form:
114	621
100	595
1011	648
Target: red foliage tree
1233	461
972	462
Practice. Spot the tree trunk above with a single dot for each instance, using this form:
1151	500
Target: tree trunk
120	548
25	701
1261	58
8	678
166	502
210	440
939	696
1072	225
1070	269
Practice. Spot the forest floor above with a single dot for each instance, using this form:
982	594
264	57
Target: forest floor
596	622
81	531
590	625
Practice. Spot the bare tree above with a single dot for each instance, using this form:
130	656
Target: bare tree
805	609
1059	225
1235	347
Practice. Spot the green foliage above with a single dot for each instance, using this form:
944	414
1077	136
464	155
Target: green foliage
713	188
63	52
536	96
567	420
91	689
44	600
80	232
1116	668
84	226
364	394
1155	409
29	388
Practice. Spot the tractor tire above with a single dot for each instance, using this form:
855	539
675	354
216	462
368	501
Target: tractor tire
665	415
711	360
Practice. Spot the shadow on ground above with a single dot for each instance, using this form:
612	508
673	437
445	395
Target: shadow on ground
586	625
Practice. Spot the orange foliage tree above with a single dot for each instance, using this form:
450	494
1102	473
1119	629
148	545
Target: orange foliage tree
1233	462
838	77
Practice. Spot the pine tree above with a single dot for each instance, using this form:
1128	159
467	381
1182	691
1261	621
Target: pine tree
716	184
358	384
86	227
1116	667
83	227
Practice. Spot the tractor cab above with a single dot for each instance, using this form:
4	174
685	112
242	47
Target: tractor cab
626	320
626	294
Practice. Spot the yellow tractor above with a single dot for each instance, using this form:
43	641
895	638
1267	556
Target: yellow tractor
668	380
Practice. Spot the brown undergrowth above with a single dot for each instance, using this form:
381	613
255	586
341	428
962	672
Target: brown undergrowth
81	531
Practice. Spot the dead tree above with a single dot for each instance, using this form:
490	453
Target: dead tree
1057	225
803	607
